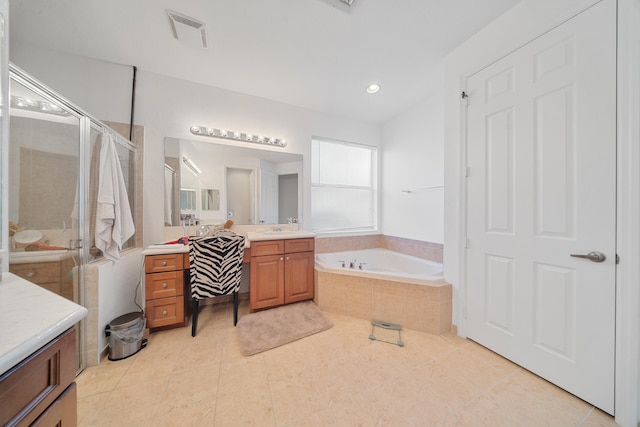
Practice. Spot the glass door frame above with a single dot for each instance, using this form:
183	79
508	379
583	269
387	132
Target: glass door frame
84	123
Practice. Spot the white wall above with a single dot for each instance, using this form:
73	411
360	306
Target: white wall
116	291
413	159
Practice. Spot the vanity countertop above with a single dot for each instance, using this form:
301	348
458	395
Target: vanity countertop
278	235
30	317
251	236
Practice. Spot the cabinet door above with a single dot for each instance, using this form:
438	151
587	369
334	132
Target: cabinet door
267	281
298	276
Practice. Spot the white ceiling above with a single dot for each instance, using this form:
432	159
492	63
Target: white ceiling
307	53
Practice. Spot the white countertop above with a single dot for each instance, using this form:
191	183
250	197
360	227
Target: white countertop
30	317
254	236
278	235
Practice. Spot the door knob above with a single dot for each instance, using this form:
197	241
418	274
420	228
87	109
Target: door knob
592	256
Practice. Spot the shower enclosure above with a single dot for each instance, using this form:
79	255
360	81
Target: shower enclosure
53	176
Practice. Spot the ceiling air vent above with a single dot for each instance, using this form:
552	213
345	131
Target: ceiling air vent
344	5
188	30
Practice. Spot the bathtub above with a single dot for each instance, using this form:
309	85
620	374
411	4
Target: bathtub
390	287
382	264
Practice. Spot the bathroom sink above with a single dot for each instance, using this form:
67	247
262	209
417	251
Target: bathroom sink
282	234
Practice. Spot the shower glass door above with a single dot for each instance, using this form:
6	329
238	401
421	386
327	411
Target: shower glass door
46	193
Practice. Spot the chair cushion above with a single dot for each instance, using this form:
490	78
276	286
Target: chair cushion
215	265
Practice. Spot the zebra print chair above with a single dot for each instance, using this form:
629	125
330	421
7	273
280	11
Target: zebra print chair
215	266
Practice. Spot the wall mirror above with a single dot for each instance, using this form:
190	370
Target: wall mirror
246	185
210	199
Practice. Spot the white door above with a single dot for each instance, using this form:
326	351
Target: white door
268	197
541	147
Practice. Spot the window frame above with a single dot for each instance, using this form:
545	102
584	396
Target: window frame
373	187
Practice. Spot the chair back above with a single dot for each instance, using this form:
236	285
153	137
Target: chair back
215	265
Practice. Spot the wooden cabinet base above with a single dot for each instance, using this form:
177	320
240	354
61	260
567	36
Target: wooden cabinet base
166	291
30	390
281	272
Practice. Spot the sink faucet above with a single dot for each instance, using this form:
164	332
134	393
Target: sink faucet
352	264
361	264
342	262
276	229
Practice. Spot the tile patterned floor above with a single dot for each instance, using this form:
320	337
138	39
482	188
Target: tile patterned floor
335	378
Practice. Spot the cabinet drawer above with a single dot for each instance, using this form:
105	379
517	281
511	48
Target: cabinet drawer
164	285
30	387
165	312
160	263
267	247
62	412
298	245
38	273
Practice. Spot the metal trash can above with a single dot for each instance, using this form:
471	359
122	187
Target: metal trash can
125	335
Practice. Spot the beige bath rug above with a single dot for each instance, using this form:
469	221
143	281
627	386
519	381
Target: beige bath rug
268	329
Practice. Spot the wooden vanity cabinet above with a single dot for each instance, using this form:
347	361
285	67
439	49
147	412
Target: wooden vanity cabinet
52	275
41	390
281	272
165	285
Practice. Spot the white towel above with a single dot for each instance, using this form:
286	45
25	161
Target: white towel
114	224
168	191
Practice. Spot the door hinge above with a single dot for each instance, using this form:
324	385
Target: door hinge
617	259
467	172
465	98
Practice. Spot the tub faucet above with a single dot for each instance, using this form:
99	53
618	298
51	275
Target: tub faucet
352	264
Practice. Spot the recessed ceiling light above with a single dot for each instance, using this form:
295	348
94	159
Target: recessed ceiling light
373	88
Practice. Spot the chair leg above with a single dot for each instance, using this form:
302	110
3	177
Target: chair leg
235	308
194	318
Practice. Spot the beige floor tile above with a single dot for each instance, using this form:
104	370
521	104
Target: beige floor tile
598	418
89	407
134	405
542	402
251	406
102	378
338	377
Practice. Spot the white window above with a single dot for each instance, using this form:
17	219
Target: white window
343	187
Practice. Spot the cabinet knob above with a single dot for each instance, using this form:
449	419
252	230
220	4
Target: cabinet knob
164	312
164	286
31	274
281	259
164	263
287	258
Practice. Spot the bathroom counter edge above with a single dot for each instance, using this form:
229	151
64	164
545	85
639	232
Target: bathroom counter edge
30	317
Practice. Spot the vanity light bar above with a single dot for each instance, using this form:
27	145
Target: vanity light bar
237	136
37	105
191	165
